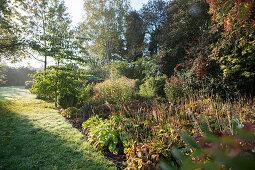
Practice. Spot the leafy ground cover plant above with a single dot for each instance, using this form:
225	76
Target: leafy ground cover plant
105	133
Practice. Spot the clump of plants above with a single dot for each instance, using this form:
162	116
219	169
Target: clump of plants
148	133
105	134
173	89
153	87
66	100
86	94
71	112
115	91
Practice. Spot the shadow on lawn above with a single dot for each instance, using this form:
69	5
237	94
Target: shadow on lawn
22	146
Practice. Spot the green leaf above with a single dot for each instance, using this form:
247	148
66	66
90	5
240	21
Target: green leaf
165	166
227	140
112	148
242	162
205	128
245	135
97	144
177	154
212	138
190	141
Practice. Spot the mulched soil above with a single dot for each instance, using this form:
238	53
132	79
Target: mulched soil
118	160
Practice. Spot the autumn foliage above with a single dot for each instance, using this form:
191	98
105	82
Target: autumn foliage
234	16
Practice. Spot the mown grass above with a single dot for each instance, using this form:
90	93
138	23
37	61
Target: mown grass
14	92
34	136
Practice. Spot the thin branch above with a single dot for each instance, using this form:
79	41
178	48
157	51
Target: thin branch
34	56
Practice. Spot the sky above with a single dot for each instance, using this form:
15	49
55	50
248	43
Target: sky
75	9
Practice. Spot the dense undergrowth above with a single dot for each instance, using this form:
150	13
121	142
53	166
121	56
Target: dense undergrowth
148	132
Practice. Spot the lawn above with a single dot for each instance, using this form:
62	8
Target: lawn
34	136
14	92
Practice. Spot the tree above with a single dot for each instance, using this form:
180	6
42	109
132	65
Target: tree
135	32
53	37
38	19
104	25
154	15
235	49
171	26
17	76
10	32
187	22
2	75
50	29
61	38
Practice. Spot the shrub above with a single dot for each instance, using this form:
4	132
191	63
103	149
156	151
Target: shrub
173	89
44	86
120	69
115	91
71	112
67	100
211	81
200	72
148	88
28	84
153	87
65	85
142	69
86	94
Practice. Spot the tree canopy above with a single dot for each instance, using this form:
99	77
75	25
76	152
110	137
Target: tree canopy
189	35
11	42
105	26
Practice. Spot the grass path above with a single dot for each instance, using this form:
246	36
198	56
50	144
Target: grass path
34	136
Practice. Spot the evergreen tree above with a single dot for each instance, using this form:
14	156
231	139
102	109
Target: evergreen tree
135	32
154	15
